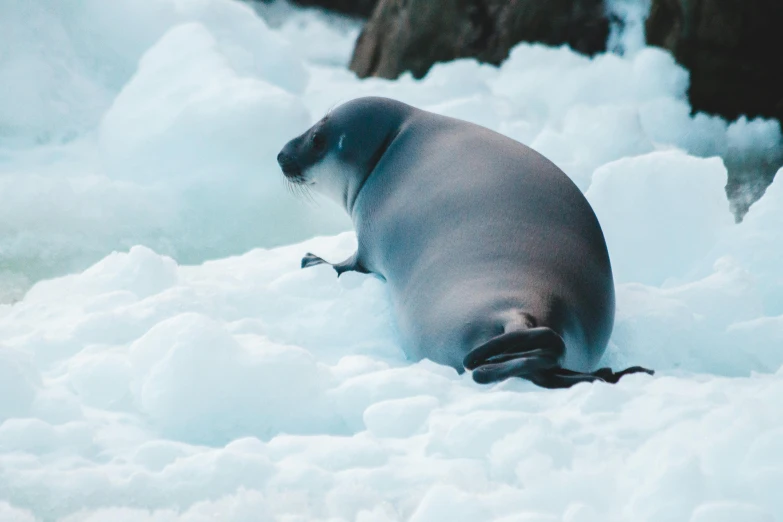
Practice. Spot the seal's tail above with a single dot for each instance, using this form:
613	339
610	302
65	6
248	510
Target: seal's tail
533	354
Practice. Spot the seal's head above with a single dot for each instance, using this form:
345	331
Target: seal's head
337	155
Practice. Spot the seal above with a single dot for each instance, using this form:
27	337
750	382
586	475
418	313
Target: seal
494	259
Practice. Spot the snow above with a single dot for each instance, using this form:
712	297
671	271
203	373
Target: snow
638	212
163	357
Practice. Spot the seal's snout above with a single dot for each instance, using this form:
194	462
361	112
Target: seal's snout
289	165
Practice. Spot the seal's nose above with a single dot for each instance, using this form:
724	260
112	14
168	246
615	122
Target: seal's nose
288	165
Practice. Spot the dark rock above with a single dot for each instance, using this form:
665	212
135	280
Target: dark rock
734	52
362	8
732	48
412	35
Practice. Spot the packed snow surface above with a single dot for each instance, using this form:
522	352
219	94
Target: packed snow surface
181	367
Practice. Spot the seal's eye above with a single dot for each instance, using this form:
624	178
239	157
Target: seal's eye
318	140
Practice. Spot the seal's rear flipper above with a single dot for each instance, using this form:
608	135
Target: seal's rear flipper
534	354
562	378
523	353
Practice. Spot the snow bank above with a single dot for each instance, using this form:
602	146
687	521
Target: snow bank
162	119
64	61
168	381
248	387
666	206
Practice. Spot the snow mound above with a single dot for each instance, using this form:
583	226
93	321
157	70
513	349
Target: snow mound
163	358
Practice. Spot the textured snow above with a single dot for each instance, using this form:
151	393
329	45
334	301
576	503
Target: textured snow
163	358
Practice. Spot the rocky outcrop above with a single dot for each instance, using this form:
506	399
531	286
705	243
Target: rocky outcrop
362	8
412	35
732	48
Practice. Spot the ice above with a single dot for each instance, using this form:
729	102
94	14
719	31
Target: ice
53	93
20	380
592	137
185	94
754	243
177	151
64	61
190	125
645	217
399	418
163	358
626	25
164	130
450	503
320	37
11	514
726	511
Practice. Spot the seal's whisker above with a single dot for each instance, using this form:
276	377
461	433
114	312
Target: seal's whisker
308	194
292	188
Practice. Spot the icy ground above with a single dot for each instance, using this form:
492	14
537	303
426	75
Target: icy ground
155	386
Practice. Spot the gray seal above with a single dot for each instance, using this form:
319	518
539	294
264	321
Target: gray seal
494	259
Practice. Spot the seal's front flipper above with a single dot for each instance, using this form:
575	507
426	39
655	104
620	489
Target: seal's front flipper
534	354
525	353
351	264
311	260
